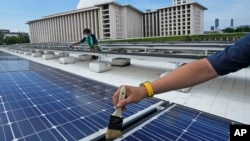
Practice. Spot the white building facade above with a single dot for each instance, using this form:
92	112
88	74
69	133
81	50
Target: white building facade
181	19
107	21
110	20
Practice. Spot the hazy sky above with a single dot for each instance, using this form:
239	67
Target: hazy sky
15	13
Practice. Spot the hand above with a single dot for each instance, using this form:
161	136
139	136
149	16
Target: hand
133	95
71	46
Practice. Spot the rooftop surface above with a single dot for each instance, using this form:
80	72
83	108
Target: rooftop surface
226	96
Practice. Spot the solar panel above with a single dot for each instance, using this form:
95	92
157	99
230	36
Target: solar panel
38	102
181	123
43	103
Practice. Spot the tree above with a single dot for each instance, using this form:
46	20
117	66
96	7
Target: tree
24	38
1	38
243	29
238	29
11	40
21	38
228	30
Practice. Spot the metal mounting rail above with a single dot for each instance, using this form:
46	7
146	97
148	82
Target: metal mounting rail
171	52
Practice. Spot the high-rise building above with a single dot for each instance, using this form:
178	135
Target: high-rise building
216	23
232	22
110	20
183	19
212	28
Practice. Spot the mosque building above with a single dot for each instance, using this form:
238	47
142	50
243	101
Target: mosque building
111	20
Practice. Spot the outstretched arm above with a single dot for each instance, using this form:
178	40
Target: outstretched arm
185	76
231	59
76	43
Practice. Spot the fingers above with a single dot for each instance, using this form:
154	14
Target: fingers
71	46
115	97
122	104
116	102
133	95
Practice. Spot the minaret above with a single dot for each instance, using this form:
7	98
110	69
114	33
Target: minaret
178	2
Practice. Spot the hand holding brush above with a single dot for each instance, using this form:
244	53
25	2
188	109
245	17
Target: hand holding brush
116	119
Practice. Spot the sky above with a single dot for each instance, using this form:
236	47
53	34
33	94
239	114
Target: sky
14	14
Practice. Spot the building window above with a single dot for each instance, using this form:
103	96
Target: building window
106	6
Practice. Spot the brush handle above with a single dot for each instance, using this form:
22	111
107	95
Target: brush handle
122	94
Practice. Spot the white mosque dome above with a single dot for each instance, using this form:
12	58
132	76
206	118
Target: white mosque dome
91	3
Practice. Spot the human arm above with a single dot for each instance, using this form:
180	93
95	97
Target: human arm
185	76
231	59
73	44
77	43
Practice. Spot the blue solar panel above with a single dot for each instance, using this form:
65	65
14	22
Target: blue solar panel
181	123
42	103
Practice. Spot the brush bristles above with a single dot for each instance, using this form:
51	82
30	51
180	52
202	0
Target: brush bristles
114	127
112	134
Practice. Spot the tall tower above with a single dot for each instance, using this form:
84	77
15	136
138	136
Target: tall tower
178	2
232	23
216	23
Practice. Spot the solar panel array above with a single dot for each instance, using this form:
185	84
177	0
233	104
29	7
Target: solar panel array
43	103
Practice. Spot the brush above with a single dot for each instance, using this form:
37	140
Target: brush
116	119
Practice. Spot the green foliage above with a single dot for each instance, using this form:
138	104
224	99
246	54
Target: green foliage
201	37
239	29
228	30
1	38
243	29
22	38
11	40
